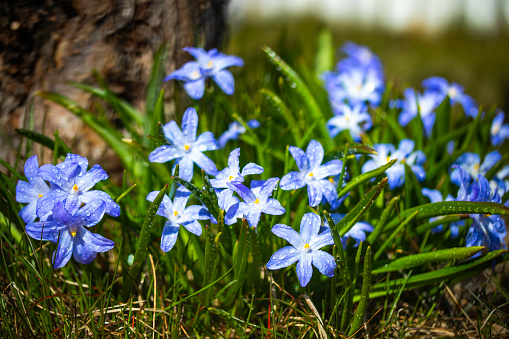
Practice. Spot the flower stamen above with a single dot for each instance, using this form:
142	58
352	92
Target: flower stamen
257	201
187	147
75	188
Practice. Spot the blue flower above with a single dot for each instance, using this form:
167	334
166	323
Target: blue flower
229	175
354	87
313	174
67	229
404	154
305	249
30	192
427	103
71	184
499	131
489	231
436	196
209	64
355	119
256	200
235	129
357	232
471	164
186	148
178	215
360	57
442	88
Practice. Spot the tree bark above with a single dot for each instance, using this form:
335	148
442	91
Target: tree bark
45	43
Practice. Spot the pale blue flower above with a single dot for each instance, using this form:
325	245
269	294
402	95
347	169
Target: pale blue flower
231	174
404	154
354	119
499	131
256	201
442	88
186	148
427	103
313	174
211	64
68	230
305	249
71	184
235	129
178	215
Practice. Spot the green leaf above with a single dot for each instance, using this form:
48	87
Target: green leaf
295	82
436	209
358	317
325	53
389	241
210	264
459	271
121	106
345	224
278	106
373	237
415	260
352	148
40	139
360	179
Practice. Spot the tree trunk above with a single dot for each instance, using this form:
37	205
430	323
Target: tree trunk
45	43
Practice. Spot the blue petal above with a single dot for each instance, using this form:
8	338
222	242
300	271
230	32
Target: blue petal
304	269
253	216
309	226
193	227
32	167
186	165
46	203
111	207
28	213
489	161
196	212
321	240
289	234
91	213
60	215
226	136
245	193
190	124
56	176
94	241
206	142
224	79
251	169
64	250
233	160
180	200
314	153
173	133
165	153
267	189
190	71
330	193
292	181
300	158
329	169
314	193
195	89
90	178
42	230
198	53
283	257
222	61
273	207
169	236
324	262
203	162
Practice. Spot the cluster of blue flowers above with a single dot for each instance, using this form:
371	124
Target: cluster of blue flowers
357	84
66	207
